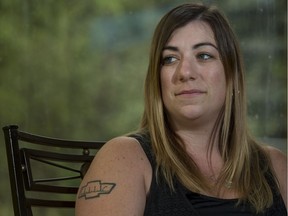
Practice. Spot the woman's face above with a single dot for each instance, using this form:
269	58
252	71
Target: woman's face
192	76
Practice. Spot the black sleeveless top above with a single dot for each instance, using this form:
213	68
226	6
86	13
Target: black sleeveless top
161	201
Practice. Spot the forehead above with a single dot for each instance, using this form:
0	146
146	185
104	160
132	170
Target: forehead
194	31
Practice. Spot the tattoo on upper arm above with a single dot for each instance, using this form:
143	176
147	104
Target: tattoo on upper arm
94	189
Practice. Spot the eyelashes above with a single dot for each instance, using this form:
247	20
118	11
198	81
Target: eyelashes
171	59
204	56
168	60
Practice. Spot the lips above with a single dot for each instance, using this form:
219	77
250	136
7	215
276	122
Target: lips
189	92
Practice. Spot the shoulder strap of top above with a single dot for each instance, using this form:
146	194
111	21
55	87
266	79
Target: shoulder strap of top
278	207
145	142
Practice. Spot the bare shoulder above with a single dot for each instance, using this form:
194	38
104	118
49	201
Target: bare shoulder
122	155
277	157
118	176
279	163
121	149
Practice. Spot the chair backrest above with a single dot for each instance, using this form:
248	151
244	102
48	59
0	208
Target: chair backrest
45	172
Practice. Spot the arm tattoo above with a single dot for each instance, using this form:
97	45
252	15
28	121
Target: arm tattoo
94	189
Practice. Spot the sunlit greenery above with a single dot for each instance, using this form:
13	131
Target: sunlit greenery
75	69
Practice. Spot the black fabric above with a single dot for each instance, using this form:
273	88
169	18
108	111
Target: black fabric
161	201
206	205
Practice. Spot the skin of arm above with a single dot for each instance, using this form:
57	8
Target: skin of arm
117	181
279	163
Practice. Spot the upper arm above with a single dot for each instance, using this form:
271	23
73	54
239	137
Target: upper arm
115	182
279	163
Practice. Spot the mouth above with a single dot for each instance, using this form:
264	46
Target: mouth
190	92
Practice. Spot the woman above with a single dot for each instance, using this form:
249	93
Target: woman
193	154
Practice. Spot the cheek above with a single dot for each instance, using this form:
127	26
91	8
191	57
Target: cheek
221	80
166	87
164	81
218	83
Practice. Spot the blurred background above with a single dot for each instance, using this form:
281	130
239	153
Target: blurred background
75	69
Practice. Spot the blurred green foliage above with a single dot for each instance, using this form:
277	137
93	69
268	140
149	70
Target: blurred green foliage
75	69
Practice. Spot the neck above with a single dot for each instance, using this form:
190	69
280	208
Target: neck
198	134
199	137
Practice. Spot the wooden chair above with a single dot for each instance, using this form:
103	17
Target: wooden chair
45	172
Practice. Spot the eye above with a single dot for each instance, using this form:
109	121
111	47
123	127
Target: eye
204	56
168	60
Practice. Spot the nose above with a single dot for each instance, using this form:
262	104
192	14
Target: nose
186	70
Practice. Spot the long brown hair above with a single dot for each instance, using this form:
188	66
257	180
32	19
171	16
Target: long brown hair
244	159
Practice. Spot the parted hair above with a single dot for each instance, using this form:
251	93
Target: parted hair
246	164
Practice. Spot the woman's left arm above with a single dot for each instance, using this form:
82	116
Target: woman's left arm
279	163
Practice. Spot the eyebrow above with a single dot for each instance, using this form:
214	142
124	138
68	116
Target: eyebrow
196	46
204	44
